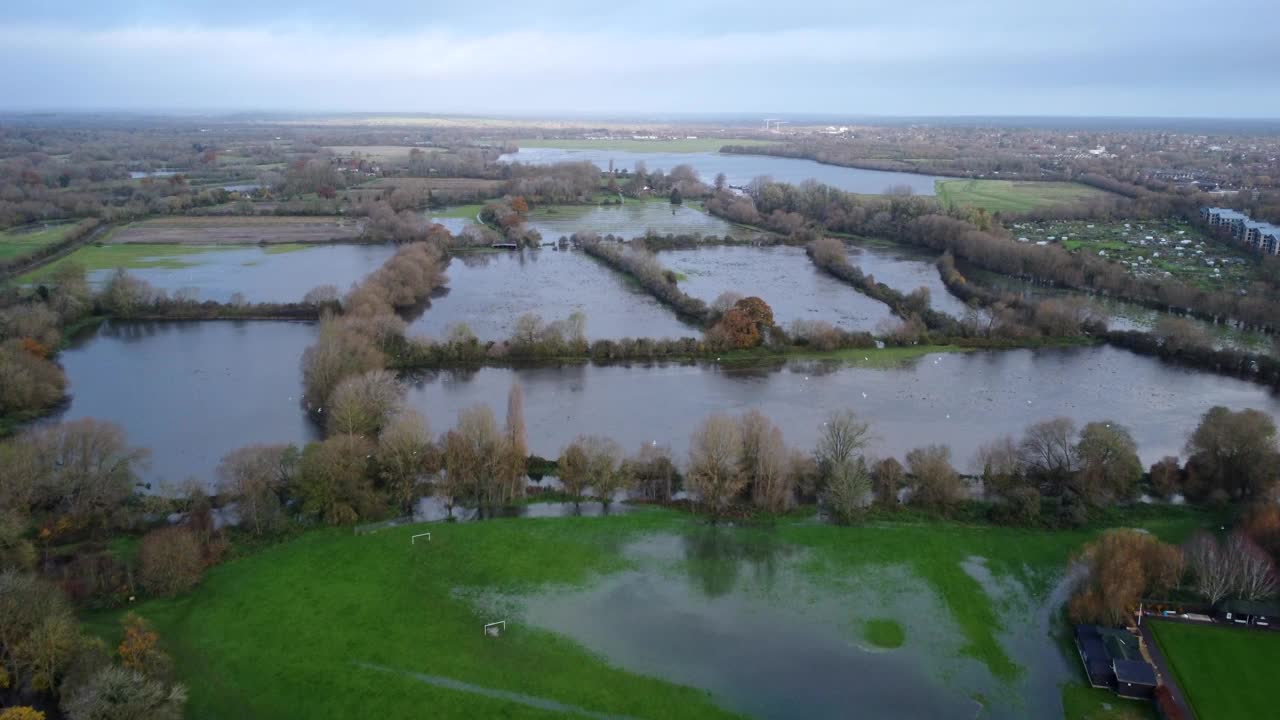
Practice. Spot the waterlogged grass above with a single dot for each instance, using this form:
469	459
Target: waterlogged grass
1226	673
109	257
884	633
280	633
701	144
17	242
458	212
1011	195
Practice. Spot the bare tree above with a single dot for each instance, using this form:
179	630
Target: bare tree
1000	462
333	479
1254	571
405	456
887	479
934	482
1048	450
574	468
477	460
86	467
361	404
843	438
1210	567
256	476
604	473
715	449
170	561
766	463
652	471
517	441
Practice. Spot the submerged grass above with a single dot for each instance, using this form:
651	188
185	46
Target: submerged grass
689	145
884	633
280	633
109	257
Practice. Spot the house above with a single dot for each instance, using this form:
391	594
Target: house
1249	612
1135	679
1260	236
1112	660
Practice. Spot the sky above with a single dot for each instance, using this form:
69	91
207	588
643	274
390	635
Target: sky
1145	58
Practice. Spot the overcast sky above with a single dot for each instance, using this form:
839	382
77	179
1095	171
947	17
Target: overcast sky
890	57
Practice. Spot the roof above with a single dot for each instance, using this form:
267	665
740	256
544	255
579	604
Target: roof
1250	607
1134	672
1093	653
1228	213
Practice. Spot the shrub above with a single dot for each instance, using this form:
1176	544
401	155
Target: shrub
171	561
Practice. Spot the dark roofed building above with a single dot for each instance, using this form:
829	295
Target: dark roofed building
1135	679
1093	653
1249	612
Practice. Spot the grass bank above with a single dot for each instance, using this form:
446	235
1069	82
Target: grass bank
21	241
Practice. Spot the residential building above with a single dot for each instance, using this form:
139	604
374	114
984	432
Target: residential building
1259	236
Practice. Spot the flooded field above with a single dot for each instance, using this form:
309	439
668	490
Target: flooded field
960	399
904	270
783	276
628	220
194	391
738	169
741	615
1122	315
259	274
490	291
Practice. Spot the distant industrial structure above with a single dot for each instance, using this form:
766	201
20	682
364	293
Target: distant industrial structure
1260	236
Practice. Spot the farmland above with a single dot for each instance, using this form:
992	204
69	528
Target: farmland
1151	248
1012	196
17	242
1225	672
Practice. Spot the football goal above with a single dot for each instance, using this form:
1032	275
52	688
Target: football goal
494	629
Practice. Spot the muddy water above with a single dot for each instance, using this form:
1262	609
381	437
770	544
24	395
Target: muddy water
738	169
490	291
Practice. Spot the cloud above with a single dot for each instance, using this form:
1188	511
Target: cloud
922	58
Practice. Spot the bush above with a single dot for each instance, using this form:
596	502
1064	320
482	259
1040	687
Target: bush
171	561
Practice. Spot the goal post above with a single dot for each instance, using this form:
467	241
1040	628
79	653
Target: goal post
494	629
414	540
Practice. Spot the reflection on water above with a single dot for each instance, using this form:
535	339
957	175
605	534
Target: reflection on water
432	509
732	611
490	291
738	169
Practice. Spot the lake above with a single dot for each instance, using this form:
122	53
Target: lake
489	291
194	391
738	169
260	274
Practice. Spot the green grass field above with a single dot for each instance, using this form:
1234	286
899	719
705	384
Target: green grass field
1013	196
282	632
1226	673
1080	702
17	242
701	144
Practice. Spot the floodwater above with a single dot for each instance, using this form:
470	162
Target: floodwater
738	169
905	270
733	612
782	276
1122	315
629	220
960	399
194	391
260	274
490	291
